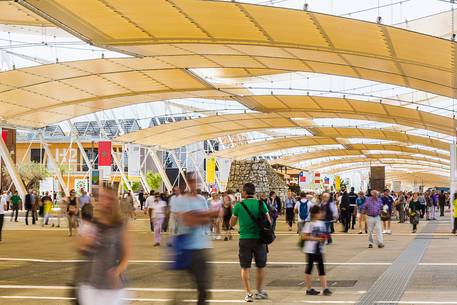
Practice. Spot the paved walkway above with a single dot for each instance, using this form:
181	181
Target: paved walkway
37	264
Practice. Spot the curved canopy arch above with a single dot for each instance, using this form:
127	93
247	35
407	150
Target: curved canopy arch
380	158
174	135
293	159
389	168
227	32
245	151
47	94
13	13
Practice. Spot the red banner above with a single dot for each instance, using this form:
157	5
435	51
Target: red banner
4	135
104	153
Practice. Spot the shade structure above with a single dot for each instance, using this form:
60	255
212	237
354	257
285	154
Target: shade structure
350	151
48	94
379	158
230	32
313	107
12	13
381	134
248	150
174	135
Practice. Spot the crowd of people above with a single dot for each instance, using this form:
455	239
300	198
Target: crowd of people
194	219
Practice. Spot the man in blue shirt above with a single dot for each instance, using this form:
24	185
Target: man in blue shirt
193	218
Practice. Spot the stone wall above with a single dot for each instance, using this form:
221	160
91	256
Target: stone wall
260	173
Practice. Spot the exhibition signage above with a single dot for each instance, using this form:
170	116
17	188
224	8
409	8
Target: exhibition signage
133	160
211	170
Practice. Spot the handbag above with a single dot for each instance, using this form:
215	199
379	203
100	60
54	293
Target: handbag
266	234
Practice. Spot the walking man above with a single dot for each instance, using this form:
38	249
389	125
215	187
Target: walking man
29	203
373	207
15	201
352	196
442	202
250	245
345	211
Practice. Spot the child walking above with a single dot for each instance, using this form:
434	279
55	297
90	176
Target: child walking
315	234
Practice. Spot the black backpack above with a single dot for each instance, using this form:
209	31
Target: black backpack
267	235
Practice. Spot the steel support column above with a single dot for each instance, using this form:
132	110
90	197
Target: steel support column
12	170
74	133
55	165
161	170
181	171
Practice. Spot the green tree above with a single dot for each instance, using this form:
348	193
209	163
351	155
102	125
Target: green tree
153	180
135	186
31	174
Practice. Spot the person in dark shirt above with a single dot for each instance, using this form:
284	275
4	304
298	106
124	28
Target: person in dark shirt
442	202
345	211
352	196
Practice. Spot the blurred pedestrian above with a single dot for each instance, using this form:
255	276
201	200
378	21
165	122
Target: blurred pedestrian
193	218
105	243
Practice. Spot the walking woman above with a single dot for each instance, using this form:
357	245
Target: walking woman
2	214
72	211
106	247
414	211
158	216
289	204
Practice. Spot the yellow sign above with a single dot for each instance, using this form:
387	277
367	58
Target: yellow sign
337	183
211	170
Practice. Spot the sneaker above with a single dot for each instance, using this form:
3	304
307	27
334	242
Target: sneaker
226	238
370	246
384	231
327	292
156	245
261	295
312	291
381	246
249	297
360	232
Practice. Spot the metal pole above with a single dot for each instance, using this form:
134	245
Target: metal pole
178	163
12	170
161	170
83	153
54	164
453	178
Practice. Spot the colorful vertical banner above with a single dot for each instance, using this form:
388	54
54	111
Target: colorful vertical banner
326	180
104	153
337	183
105	160
133	160
4	135
302	180
317	178
211	170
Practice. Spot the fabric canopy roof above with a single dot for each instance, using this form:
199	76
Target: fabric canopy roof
13	13
42	95
293	159
246	35
245	151
380	158
174	135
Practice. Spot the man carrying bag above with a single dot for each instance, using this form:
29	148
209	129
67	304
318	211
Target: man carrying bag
255	234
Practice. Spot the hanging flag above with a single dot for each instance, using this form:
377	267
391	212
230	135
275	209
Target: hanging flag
337	183
134	160
4	135
317	178
105	160
326	180
211	170
104	153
